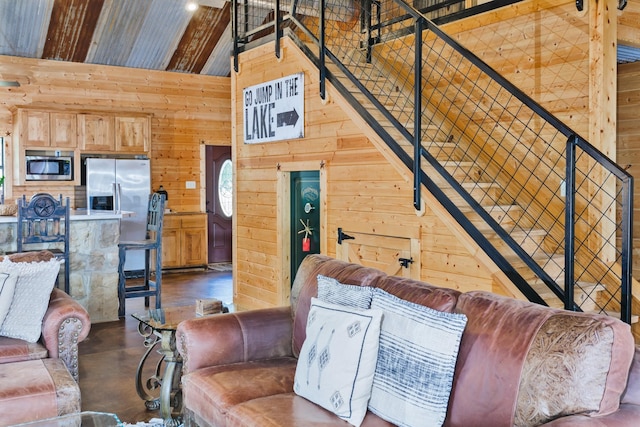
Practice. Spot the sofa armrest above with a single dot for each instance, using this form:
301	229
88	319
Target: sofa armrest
65	324
234	337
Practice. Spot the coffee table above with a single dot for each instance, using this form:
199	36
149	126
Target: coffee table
84	419
158	326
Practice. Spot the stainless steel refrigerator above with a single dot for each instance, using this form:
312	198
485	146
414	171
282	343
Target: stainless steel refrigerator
121	185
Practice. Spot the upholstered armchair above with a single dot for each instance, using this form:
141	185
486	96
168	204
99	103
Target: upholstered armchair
64	324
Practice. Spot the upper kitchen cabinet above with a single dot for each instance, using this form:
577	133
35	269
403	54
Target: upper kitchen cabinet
114	133
132	134
45	129
95	132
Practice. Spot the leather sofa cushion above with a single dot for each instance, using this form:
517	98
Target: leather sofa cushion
577	364
492	353
505	344
626	416
290	410
212	391
36	389
67	389
15	350
441	299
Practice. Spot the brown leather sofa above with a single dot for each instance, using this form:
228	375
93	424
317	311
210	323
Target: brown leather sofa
39	380
519	364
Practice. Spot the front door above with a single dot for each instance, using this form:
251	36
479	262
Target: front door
219	174
305	217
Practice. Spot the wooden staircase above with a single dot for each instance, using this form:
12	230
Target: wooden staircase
512	217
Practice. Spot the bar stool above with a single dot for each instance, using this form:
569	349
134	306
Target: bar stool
152	242
43	223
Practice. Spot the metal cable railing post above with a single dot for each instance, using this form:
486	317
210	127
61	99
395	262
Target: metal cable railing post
234	32
245	7
277	31
569	227
367	28
417	126
323	71
627	238
376	3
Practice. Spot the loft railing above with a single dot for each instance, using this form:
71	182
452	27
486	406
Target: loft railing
552	211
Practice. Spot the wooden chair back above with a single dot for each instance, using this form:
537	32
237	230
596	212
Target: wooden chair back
155	217
43	220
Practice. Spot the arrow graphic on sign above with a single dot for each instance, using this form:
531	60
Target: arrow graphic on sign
288	118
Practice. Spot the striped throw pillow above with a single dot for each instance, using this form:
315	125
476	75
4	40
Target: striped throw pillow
334	292
416	361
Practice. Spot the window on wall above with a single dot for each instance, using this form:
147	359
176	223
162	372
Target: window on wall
225	188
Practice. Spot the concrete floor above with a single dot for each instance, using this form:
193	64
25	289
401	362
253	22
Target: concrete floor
110	355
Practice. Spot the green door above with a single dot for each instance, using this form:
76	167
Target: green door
305	217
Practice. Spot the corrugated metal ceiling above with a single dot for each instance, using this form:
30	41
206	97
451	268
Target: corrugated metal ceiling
628	54
151	34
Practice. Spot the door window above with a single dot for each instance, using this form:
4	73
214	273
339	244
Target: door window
225	188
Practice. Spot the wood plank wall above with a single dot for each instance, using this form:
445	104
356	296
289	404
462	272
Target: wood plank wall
543	49
188	112
363	190
629	140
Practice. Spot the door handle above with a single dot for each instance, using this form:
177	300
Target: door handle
342	236
404	262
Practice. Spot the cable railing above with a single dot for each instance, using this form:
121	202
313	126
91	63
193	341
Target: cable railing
553	212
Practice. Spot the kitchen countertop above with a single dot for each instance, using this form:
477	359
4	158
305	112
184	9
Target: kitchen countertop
82	215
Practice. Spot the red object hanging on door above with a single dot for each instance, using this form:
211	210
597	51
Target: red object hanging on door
306	244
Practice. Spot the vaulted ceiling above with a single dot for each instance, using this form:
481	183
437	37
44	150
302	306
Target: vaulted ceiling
159	34
150	34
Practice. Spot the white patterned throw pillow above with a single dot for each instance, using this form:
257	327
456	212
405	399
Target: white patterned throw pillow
334	292
7	288
416	361
338	358
30	298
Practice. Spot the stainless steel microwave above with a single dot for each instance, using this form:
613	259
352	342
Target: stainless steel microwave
49	168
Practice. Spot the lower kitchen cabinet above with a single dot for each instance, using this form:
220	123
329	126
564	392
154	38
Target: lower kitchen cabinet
184	240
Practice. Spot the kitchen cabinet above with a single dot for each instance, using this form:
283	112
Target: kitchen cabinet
40	130
132	134
92	132
96	132
184	240
114	133
63	130
45	129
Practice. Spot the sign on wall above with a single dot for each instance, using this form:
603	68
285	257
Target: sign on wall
274	110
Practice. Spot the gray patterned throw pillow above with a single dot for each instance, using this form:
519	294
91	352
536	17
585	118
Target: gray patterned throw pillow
334	292
416	361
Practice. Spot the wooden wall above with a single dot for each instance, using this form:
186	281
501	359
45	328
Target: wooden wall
188	112
629	140
543	49
363	191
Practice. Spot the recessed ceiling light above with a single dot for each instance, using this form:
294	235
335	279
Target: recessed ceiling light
191	6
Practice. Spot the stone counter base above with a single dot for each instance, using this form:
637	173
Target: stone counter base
94	264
